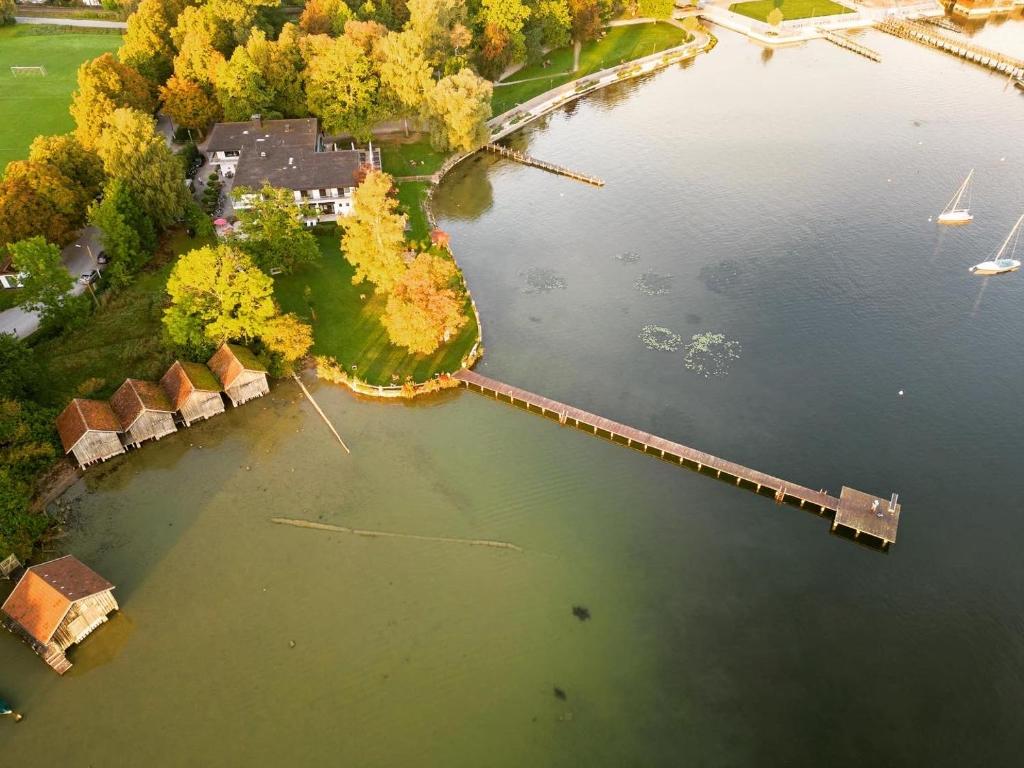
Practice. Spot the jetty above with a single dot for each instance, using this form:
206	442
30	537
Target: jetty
520	157
862	514
965	49
849	44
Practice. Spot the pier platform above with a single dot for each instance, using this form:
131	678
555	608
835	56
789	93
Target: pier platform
863	513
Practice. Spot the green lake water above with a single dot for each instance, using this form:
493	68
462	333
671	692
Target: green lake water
781	200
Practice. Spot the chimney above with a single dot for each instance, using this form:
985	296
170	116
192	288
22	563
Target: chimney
257	120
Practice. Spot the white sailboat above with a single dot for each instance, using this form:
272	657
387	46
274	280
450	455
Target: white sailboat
955	212
1003	261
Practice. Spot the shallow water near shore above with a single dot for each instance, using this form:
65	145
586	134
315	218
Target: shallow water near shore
788	197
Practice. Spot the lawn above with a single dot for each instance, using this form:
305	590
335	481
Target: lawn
619	44
123	338
32	105
791	9
410	158
348	328
411	196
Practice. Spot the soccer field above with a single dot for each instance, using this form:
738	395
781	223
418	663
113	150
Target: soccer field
36	104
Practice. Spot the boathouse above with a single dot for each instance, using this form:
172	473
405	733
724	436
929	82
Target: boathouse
90	430
57	604
144	411
193	390
241	374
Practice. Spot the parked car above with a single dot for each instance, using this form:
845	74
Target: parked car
13	280
102	258
89	278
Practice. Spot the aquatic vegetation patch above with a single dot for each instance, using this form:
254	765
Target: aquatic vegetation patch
543	280
723	277
581	612
661	339
628	257
710	354
653	284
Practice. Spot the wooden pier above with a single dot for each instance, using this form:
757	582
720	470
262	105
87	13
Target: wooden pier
860	513
965	49
525	159
849	44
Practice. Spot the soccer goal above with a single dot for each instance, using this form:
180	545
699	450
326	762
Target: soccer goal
28	71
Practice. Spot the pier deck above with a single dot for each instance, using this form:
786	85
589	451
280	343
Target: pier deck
852	510
525	159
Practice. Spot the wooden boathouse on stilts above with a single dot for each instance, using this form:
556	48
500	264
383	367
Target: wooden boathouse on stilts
56	605
144	411
193	390
240	373
90	431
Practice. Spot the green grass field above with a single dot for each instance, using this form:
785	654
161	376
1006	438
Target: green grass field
620	44
411	196
410	158
348	328
791	9
33	105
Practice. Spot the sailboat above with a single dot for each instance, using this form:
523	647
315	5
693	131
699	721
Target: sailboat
953	213
1002	262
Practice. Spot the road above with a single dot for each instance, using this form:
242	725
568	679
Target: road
76	258
94	23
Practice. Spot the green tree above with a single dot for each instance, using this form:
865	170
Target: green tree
342	87
324	17
7	11
374	236
133	151
263	77
460	106
125	230
503	38
147	45
47	282
273	232
105	85
586	19
656	9
37	199
554	23
26	449
217	294
65	153
18	369
189	104
426	305
432	22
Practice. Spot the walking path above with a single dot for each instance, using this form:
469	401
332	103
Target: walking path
93	23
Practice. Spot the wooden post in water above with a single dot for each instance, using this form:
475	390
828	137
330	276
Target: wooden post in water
320	411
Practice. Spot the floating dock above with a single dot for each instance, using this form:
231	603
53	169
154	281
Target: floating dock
525	159
965	49
860	513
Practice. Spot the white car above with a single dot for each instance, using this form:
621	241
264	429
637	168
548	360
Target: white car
13	280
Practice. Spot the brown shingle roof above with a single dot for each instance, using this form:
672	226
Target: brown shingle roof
135	396
182	379
83	415
230	360
45	593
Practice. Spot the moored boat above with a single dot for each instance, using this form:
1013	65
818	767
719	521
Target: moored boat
956	212
1004	260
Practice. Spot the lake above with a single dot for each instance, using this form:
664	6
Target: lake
782	200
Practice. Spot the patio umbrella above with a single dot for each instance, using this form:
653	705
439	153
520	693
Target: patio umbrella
220	222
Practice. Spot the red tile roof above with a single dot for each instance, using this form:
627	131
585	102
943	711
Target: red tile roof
45	593
82	416
230	360
135	396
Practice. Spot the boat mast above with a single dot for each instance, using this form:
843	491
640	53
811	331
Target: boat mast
1009	237
954	204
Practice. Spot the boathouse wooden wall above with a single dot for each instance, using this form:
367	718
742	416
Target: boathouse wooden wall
96	446
83	617
201	405
248	385
151	425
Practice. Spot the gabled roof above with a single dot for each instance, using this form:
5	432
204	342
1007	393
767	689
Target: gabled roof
230	361
45	593
134	397
297	169
264	135
182	379
81	416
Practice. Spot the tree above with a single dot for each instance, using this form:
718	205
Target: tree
147	45
586	19
135	153
188	104
374	237
656	9
194	36
67	155
7	11
554	23
503	41
342	88
37	199
460	105
775	16
263	78
26	449
426	305
217	294
432	22
288	337
105	85
404	71
324	17
273	233
47	282
125	230
18	369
